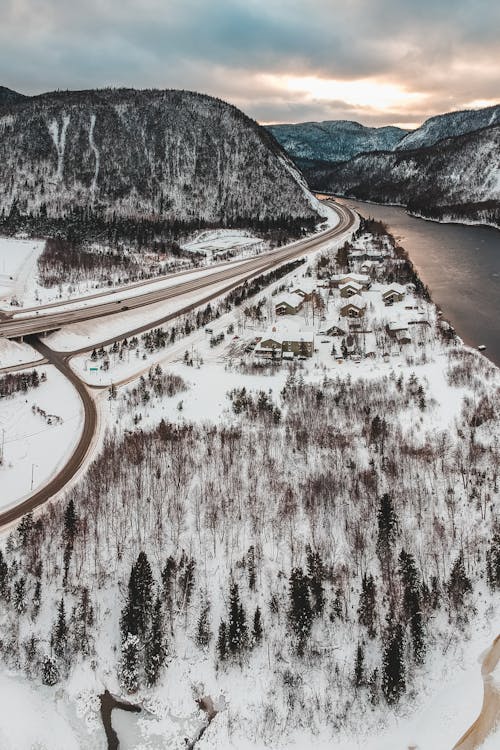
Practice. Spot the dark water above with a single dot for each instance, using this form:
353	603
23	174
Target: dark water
460	265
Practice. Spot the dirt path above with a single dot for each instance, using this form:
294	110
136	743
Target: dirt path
489	718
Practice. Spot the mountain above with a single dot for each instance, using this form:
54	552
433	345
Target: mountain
448	125
457	178
171	156
334	140
7	96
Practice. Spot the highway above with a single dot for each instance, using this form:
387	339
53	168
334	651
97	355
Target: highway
49	318
30	326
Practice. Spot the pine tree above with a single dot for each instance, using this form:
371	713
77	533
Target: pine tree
300	612
155	650
70	522
222	641
367	610
359	667
257	628
393	670
459	584
129	668
412	605
4	571
237	635
251	568
387	531
203	632
316	575
82	618
137	612
493	562
50	672
60	632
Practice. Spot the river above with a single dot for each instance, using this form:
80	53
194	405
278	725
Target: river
460	265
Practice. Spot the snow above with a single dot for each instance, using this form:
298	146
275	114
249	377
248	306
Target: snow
33	448
34	718
17	265
13	353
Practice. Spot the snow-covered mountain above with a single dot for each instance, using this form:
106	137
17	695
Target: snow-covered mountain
155	155
458	178
334	140
8	96
448	125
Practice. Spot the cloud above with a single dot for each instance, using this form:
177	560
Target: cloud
438	55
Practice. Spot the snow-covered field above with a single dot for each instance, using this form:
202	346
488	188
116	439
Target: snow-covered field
18	259
14	353
35	445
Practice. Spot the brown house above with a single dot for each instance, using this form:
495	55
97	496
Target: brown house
354	308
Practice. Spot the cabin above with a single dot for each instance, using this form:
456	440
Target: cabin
394	293
399	332
332	330
300	345
269	347
354	308
350	289
356	278
289	304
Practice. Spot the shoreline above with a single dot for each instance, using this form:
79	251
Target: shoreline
464	340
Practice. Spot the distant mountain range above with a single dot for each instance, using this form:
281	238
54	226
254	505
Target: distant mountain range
449	168
334	140
170	156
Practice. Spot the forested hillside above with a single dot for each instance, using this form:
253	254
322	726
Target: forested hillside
157	156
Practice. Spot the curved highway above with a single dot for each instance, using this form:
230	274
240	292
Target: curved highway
235	274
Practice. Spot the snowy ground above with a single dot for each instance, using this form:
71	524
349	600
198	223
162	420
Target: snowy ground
35	449
17	266
13	353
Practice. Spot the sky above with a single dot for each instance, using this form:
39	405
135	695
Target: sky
378	62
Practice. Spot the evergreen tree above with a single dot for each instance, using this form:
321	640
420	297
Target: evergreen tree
459	584
20	595
387	530
4	571
70	523
257	628
493	562
82	618
359	666
129	668
367	610
316	575
60	632
300	612
203	632
50	672
412	605
222	641
237	635
137	612
393	670
251	568
155	650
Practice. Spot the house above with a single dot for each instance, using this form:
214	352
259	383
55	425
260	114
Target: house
366	266
330	329
285	345
300	344
393	293
269	346
354	308
398	331
289	304
350	289
356	278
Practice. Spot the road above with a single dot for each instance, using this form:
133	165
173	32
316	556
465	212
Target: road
489	717
50	318
79	454
31	327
